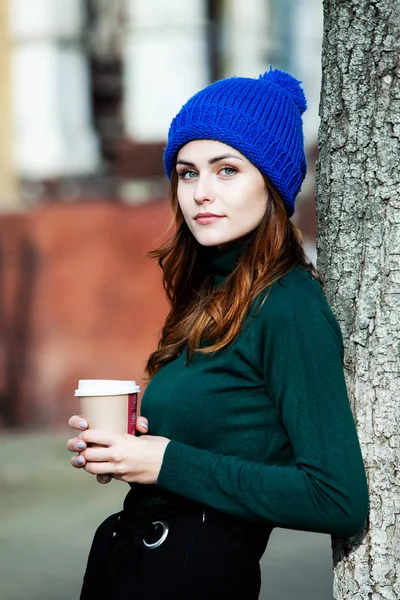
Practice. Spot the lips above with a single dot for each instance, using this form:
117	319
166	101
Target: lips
205	215
206	218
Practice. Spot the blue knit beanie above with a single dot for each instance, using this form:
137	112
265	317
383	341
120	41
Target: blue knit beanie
261	118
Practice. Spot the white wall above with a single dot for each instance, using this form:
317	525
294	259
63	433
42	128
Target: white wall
50	86
246	41
165	62
307	46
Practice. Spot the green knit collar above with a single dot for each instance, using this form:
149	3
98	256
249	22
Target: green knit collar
221	264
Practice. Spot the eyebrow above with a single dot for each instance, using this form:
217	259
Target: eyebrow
211	161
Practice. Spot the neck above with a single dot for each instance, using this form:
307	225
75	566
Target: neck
221	260
238	243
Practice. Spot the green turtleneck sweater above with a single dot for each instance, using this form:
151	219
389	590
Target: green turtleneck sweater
263	429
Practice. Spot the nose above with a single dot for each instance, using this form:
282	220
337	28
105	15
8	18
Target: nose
202	191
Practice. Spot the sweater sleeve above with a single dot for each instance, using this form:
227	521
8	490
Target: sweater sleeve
298	345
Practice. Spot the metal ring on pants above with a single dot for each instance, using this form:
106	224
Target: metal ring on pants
163	537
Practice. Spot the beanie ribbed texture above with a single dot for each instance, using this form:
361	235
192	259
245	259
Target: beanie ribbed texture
261	118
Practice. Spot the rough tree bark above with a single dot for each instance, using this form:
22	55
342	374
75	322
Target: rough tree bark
358	200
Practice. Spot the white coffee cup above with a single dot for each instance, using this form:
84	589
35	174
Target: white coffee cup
109	404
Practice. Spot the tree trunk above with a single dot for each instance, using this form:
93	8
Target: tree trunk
358	206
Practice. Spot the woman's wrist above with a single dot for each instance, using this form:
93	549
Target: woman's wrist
156	469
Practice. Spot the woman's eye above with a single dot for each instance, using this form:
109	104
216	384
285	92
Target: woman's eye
187	175
228	171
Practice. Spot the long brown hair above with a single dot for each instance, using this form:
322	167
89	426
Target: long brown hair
199	312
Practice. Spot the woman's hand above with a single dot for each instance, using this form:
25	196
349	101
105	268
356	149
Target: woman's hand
118	456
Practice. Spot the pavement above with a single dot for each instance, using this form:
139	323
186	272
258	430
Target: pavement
49	511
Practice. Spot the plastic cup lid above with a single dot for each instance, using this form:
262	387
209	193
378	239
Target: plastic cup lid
105	387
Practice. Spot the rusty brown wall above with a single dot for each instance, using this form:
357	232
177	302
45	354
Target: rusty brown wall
80	299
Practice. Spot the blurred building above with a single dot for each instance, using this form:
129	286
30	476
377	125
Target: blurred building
91	86
87	92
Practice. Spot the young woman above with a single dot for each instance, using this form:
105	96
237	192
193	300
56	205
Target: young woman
249	423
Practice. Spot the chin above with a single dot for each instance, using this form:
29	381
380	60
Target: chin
210	242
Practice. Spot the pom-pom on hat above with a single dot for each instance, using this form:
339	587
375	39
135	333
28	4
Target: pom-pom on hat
261	118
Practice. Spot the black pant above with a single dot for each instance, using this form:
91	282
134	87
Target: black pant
206	556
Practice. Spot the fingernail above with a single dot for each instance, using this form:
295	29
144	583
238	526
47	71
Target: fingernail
143	424
82	424
79	460
105	478
81	445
